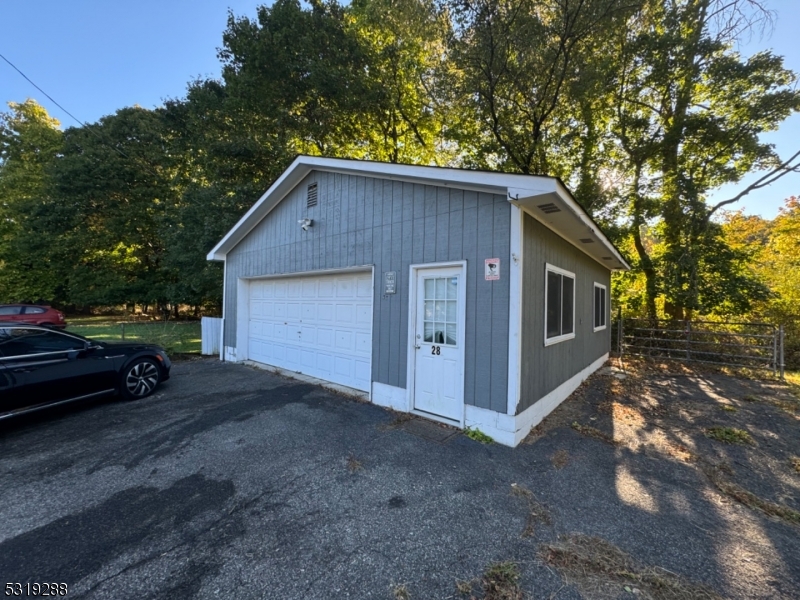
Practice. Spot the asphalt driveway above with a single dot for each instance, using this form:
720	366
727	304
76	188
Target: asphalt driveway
233	482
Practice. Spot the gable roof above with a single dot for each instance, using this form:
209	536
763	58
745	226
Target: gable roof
545	198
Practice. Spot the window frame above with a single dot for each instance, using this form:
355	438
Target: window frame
597	285
549	341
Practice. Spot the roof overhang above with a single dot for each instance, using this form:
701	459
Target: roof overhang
529	192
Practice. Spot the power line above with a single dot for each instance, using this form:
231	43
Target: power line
13	66
84	125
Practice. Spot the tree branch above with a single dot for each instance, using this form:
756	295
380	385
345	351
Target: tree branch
783	169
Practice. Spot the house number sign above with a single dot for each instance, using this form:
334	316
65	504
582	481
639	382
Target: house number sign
390	282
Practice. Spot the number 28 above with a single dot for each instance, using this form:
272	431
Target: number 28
436	350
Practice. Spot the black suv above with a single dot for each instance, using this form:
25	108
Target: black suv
40	367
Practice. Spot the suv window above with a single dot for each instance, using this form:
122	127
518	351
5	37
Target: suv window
35	310
10	310
21	341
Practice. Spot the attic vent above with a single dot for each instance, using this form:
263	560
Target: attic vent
606	258
587	240
549	208
312	195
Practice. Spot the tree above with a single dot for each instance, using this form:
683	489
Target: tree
300	72
30	141
690	111
404	45
112	188
775	261
531	75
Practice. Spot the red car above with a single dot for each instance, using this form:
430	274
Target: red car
32	314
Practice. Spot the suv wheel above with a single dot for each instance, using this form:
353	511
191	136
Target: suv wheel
139	379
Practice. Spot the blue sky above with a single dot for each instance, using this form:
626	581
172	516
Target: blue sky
95	56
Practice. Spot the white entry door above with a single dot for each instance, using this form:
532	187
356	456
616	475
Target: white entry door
439	343
320	325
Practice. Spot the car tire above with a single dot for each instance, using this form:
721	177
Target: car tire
139	379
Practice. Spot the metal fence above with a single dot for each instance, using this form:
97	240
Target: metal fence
733	344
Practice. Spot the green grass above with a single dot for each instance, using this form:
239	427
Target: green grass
729	435
173	336
477	435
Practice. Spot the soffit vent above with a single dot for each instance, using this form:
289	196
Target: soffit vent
549	208
312	195
587	240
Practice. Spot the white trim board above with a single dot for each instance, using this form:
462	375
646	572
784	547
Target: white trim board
564	273
390	396
511	430
516	259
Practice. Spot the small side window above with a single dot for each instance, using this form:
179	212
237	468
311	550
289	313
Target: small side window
34	310
600	306
559	308
6	311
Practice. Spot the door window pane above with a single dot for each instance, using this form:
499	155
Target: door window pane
429	310
10	310
34	310
452	288
440	315
452	312
430	289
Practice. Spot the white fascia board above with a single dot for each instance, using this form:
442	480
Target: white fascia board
285	183
554	186
578	210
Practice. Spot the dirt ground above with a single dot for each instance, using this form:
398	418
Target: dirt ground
740	435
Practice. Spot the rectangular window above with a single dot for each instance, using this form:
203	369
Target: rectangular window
441	310
559	308
600	306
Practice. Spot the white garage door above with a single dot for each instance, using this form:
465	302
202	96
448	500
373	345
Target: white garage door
319	325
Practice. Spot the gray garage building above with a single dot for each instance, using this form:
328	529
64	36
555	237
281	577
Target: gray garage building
474	298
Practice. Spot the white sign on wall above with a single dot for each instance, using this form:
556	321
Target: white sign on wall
492	269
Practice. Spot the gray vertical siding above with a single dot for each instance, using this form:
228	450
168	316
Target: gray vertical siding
391	225
544	368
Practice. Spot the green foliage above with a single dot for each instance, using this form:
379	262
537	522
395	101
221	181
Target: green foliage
477	435
729	435
29	143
